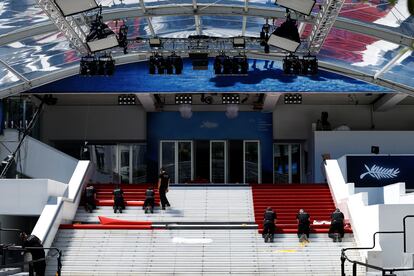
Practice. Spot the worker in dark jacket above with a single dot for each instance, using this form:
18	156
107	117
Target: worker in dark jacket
119	203
269	224
303	220
39	267
336	231
149	201
90	197
163	186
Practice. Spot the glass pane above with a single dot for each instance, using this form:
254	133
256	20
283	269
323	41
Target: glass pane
251	163
124	163
7	78
139	164
218	162
281	163
295	150
104	159
184	162
168	159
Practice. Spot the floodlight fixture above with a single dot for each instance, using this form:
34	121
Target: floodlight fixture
71	7
183	99
88	66
292	65
309	65
293	98
129	99
239	42
155	42
286	36
230	99
101	37
302	6
106	65
108	42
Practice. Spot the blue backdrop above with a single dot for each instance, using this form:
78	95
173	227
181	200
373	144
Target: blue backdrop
210	126
264	76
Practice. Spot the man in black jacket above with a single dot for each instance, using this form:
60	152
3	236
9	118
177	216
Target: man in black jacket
336	231
119	203
269	224
37	254
303	220
90	196
149	201
163	185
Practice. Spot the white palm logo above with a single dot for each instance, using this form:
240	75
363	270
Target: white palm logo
380	172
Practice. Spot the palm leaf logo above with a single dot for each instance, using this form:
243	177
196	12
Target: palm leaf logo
378	172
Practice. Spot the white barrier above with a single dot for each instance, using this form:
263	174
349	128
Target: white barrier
63	209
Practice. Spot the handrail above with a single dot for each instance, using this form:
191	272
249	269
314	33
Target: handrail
59	258
383	270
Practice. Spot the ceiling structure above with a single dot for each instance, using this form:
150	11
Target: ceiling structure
369	40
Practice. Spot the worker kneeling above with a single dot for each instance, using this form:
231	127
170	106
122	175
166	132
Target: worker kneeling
149	201
336	231
269	225
119	203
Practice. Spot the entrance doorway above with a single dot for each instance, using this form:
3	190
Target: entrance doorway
177	160
287	160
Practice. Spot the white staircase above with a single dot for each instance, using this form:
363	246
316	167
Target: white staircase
197	251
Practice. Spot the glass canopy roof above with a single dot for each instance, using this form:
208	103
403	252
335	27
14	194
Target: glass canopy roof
32	54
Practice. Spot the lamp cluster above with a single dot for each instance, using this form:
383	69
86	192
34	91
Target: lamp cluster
225	65
101	66
308	65
129	99
293	98
170	65
231	99
183	99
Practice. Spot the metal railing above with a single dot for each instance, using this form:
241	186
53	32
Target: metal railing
32	262
385	271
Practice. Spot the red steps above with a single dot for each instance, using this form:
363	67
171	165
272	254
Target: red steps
287	199
134	194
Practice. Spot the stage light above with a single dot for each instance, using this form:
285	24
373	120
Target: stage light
71	7
199	61
292	65
127	99
100	37
286	36
240	65
302	6
293	98
88	66
230	99
232	111
174	62
106	65
155	43
309	65
183	99
223	65
157	64
239	42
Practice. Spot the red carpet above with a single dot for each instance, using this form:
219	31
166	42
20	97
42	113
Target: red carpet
134	194
287	199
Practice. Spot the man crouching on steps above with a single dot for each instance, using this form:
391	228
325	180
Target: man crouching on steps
269	224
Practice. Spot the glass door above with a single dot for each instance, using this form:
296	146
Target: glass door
287	163
177	160
218	162
125	156
251	162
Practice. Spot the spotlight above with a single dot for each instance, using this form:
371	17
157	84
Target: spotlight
239	42
157	64
183	99
75	6
309	65
240	65
123	38
292	65
88	66
375	149
174	62
302	6
106	65
199	61
155	43
230	99
223	65
100	37
293	98
127	99
286	36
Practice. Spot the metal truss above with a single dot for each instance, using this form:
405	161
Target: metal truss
323	23
67	25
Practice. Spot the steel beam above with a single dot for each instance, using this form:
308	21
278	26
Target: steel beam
404	53
388	101
270	101
14	72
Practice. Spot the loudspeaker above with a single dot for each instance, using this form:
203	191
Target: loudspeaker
374	149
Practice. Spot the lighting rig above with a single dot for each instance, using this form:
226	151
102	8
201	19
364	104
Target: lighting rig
101	66
286	36
308	65
129	99
183	99
230	99
170	65
293	98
